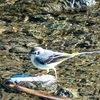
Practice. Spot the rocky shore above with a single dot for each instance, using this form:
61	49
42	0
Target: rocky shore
56	26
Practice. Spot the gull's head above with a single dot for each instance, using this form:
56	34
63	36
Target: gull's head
36	51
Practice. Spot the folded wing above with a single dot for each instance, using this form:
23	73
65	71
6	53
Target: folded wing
53	58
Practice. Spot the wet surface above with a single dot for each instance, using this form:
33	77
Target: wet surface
22	27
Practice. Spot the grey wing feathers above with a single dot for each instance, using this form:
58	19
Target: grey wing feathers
55	58
51	58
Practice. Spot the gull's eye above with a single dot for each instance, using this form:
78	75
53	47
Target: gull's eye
36	52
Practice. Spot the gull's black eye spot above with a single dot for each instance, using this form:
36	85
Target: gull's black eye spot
36	53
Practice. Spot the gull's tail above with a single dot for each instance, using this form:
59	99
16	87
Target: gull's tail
87	52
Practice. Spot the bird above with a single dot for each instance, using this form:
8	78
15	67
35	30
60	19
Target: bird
48	59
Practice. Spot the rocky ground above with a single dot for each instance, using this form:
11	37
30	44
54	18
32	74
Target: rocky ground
23	25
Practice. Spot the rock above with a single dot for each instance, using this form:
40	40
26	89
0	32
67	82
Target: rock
43	81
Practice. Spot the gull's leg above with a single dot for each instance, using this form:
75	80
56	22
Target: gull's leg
55	72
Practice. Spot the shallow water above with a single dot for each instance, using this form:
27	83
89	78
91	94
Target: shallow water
21	29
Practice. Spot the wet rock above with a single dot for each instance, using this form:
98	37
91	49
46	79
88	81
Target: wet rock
62	92
17	50
64	5
0	96
11	30
43	81
2	48
83	44
2	29
13	50
32	44
69	42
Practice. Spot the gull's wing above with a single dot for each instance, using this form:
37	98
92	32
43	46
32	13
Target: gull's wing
52	57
